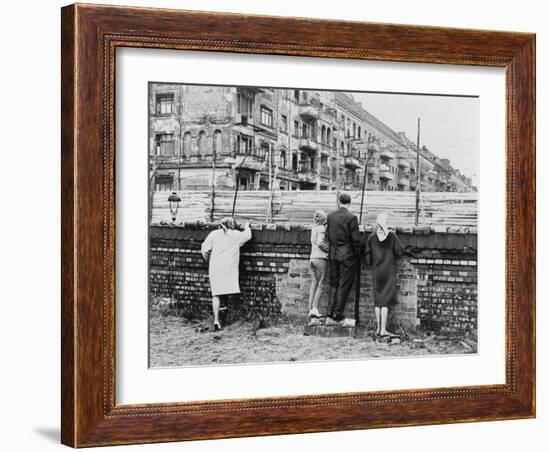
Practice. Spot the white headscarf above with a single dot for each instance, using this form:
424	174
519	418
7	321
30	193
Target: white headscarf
382	230
227	223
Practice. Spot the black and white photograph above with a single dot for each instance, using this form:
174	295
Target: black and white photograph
300	224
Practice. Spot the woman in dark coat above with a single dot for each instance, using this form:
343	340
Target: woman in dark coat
382	251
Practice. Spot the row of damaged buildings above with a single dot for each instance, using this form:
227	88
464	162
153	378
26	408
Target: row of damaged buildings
216	137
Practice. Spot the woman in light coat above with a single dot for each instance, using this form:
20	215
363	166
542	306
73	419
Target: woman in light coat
222	249
318	262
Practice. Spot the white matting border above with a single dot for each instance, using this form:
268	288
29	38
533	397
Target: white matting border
136	383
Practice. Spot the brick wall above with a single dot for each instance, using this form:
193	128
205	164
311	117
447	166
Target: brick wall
437	280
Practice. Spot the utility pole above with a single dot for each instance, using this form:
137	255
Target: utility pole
237	177
213	184
417	208
358	268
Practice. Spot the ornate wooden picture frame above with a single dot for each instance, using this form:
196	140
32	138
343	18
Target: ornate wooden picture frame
90	37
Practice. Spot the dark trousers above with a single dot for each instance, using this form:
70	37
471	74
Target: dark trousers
342	277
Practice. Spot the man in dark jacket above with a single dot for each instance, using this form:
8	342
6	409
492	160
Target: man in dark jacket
344	250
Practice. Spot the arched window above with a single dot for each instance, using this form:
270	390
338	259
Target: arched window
217	143
202	143
328	136
323	134
186	144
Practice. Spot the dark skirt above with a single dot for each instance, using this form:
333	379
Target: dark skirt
383	258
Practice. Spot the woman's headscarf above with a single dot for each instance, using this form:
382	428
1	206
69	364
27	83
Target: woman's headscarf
227	223
382	230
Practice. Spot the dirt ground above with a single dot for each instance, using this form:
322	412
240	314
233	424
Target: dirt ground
176	341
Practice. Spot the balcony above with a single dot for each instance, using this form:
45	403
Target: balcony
308	175
308	144
244	119
249	161
387	154
373	147
309	111
351	182
431	175
350	161
251	89
329	116
403	179
287	173
325	148
372	169
385	173
403	163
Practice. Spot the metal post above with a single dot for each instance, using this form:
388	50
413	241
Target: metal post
237	177
270	185
358	275
213	186
417	208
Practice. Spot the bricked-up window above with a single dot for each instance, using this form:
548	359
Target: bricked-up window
305	131
217	142
164	182
284	124
202	144
263	151
164	144
282	159
266	116
245	104
244	144
165	104
186	144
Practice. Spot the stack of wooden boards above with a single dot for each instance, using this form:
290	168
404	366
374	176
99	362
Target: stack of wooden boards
436	209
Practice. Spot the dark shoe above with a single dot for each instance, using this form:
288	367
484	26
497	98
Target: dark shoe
217	326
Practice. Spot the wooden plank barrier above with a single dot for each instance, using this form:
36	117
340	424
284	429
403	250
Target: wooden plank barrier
436	209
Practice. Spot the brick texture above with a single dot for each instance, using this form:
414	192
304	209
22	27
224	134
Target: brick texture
437	279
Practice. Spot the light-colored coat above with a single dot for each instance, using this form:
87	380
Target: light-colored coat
224	249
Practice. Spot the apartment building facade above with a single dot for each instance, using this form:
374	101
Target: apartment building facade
218	137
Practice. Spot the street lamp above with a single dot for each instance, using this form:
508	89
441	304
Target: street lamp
174	201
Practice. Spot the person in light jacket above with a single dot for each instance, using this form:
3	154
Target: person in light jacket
222	249
318	262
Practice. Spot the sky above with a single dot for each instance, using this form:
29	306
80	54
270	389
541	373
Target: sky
448	124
